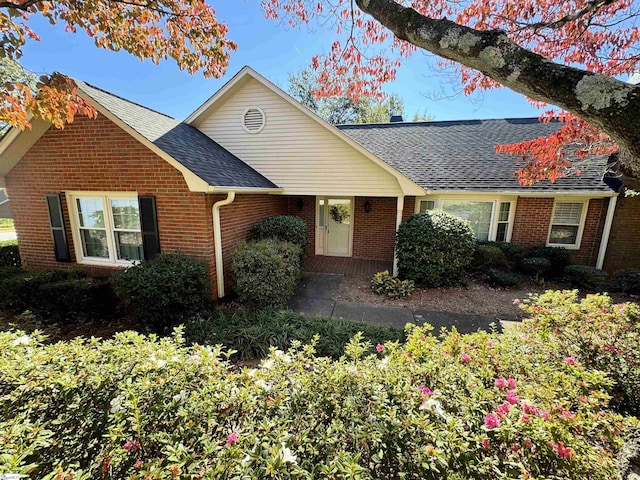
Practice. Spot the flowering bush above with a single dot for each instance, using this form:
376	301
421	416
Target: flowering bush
595	333
480	406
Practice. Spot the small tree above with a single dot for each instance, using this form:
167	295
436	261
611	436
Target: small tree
434	248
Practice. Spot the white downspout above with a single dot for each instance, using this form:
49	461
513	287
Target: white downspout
217	240
399	210
606	231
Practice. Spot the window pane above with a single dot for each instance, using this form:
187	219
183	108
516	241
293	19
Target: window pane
90	212
426	205
321	213
503	216
501	234
129	245
564	234
568	213
126	215
94	243
478	214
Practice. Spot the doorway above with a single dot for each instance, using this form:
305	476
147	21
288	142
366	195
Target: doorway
334	226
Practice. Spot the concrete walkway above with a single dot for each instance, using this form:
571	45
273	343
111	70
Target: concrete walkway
317	296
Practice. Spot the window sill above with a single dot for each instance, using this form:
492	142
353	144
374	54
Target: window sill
565	246
98	263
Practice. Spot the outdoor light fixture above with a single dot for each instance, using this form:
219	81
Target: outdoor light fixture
367	206
300	204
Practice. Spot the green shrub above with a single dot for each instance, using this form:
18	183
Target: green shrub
384	283
162	292
265	273
287	228
57	296
502	279
536	266
583	276
10	256
8	272
558	257
481	406
513	251
434	248
597	334
627	280
489	256
252	335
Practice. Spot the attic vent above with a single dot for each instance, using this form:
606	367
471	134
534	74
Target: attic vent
253	120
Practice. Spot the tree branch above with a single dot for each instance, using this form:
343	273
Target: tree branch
605	102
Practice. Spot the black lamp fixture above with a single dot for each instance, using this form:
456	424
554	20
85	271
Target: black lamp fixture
367	206
300	204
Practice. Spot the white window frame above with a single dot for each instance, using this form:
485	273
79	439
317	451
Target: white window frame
495	209
583	219
106	197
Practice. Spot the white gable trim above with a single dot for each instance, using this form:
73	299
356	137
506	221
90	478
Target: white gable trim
408	187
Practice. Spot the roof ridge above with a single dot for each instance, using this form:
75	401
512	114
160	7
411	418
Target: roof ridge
423	122
128	101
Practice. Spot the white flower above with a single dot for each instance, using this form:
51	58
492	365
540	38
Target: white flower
157	363
23	340
384	362
194	358
283	356
435	406
116	404
287	455
265	385
175	358
180	396
267	364
246	460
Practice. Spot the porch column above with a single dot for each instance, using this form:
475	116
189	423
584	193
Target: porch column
604	241
399	210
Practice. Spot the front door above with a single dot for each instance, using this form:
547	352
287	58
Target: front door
334	220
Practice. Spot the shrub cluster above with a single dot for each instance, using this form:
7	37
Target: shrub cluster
57	296
266	272
502	279
595	333
558	257
461	407
287	228
627	280
434	248
165	291
10	255
584	276
252	335
383	283
489	256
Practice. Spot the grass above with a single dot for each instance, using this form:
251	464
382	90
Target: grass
6	225
252	335
6	243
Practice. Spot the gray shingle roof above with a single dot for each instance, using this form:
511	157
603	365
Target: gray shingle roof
186	144
460	155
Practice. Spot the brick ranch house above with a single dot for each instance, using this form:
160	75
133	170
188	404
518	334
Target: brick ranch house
133	182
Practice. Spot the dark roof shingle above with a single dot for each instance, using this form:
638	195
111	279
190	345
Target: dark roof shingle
461	155
186	144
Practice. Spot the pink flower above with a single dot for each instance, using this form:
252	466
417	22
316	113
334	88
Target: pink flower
379	348
500	383
531	409
491	421
425	390
485	444
138	465
232	438
525	418
516	302
489	344
515	447
466	358
562	451
132	445
570	361
528	444
543	414
503	409
567	415
512	383
423	338
512	397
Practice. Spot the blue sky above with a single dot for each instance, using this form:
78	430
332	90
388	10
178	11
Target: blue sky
268	47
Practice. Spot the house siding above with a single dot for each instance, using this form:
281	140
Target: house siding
293	150
533	218
97	155
623	250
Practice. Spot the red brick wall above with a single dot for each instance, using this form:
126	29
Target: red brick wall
5	210
533	217
374	232
305	208
237	218
98	155
623	250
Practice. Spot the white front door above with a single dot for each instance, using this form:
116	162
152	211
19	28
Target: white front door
334	220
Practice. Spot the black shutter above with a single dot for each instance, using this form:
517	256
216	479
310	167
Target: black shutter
58	231
149	224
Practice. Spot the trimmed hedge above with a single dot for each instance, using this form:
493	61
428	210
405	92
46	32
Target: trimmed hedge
10	255
287	228
265	273
627	280
252	336
489	256
434	248
163	292
584	276
502	279
537	266
558	257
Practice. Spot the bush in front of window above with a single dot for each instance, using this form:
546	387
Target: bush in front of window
434	248
559	258
501	279
513	251
57	296
489	256
627	280
163	292
287	228
585	276
265	273
536	266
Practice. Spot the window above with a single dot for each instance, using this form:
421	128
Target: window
566	224
426	205
503	221
106	228
478	214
